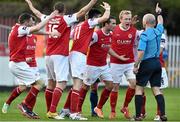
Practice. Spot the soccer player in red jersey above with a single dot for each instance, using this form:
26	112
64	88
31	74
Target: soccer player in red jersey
123	42
97	66
31	61
81	40
57	53
20	69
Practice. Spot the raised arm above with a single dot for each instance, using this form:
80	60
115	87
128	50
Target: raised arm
106	14
43	23
86	8
34	10
158	11
52	34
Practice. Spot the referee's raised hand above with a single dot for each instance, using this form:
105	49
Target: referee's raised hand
158	9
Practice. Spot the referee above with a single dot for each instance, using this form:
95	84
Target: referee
148	67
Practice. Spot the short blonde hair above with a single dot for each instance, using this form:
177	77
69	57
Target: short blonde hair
126	12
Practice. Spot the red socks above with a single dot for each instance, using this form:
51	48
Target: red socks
143	110
104	97
82	96
68	100
129	95
48	97
15	93
32	103
55	99
31	98
74	101
158	110
113	100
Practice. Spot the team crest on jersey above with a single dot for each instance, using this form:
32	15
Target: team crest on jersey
129	36
102	39
117	34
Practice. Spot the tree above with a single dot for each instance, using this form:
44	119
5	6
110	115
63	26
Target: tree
139	7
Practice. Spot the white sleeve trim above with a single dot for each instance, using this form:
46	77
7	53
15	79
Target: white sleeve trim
163	41
43	17
94	38
23	30
70	19
137	36
92	22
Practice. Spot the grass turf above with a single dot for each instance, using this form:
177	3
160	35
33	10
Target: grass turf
172	99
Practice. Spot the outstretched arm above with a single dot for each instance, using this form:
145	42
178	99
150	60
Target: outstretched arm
158	11
34	10
113	53
53	33
86	8
106	14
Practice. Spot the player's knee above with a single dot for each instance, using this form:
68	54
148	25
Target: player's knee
22	88
132	83
51	84
156	91
39	84
61	84
115	87
86	87
139	90
77	83
109	85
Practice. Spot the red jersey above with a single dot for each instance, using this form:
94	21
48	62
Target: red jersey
161	60
163	45
83	35
17	44
99	49
30	50
122	44
60	45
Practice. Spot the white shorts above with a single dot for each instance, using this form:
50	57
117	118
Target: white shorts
164	79
117	71
77	64
92	73
25	74
57	67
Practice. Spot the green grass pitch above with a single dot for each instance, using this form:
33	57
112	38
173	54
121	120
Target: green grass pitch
172	98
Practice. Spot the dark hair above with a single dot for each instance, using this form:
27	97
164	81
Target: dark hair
108	21
34	18
93	13
59	6
24	17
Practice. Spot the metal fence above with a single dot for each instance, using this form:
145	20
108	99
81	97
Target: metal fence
4	32
173	63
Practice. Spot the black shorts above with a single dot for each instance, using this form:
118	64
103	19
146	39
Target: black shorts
149	70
